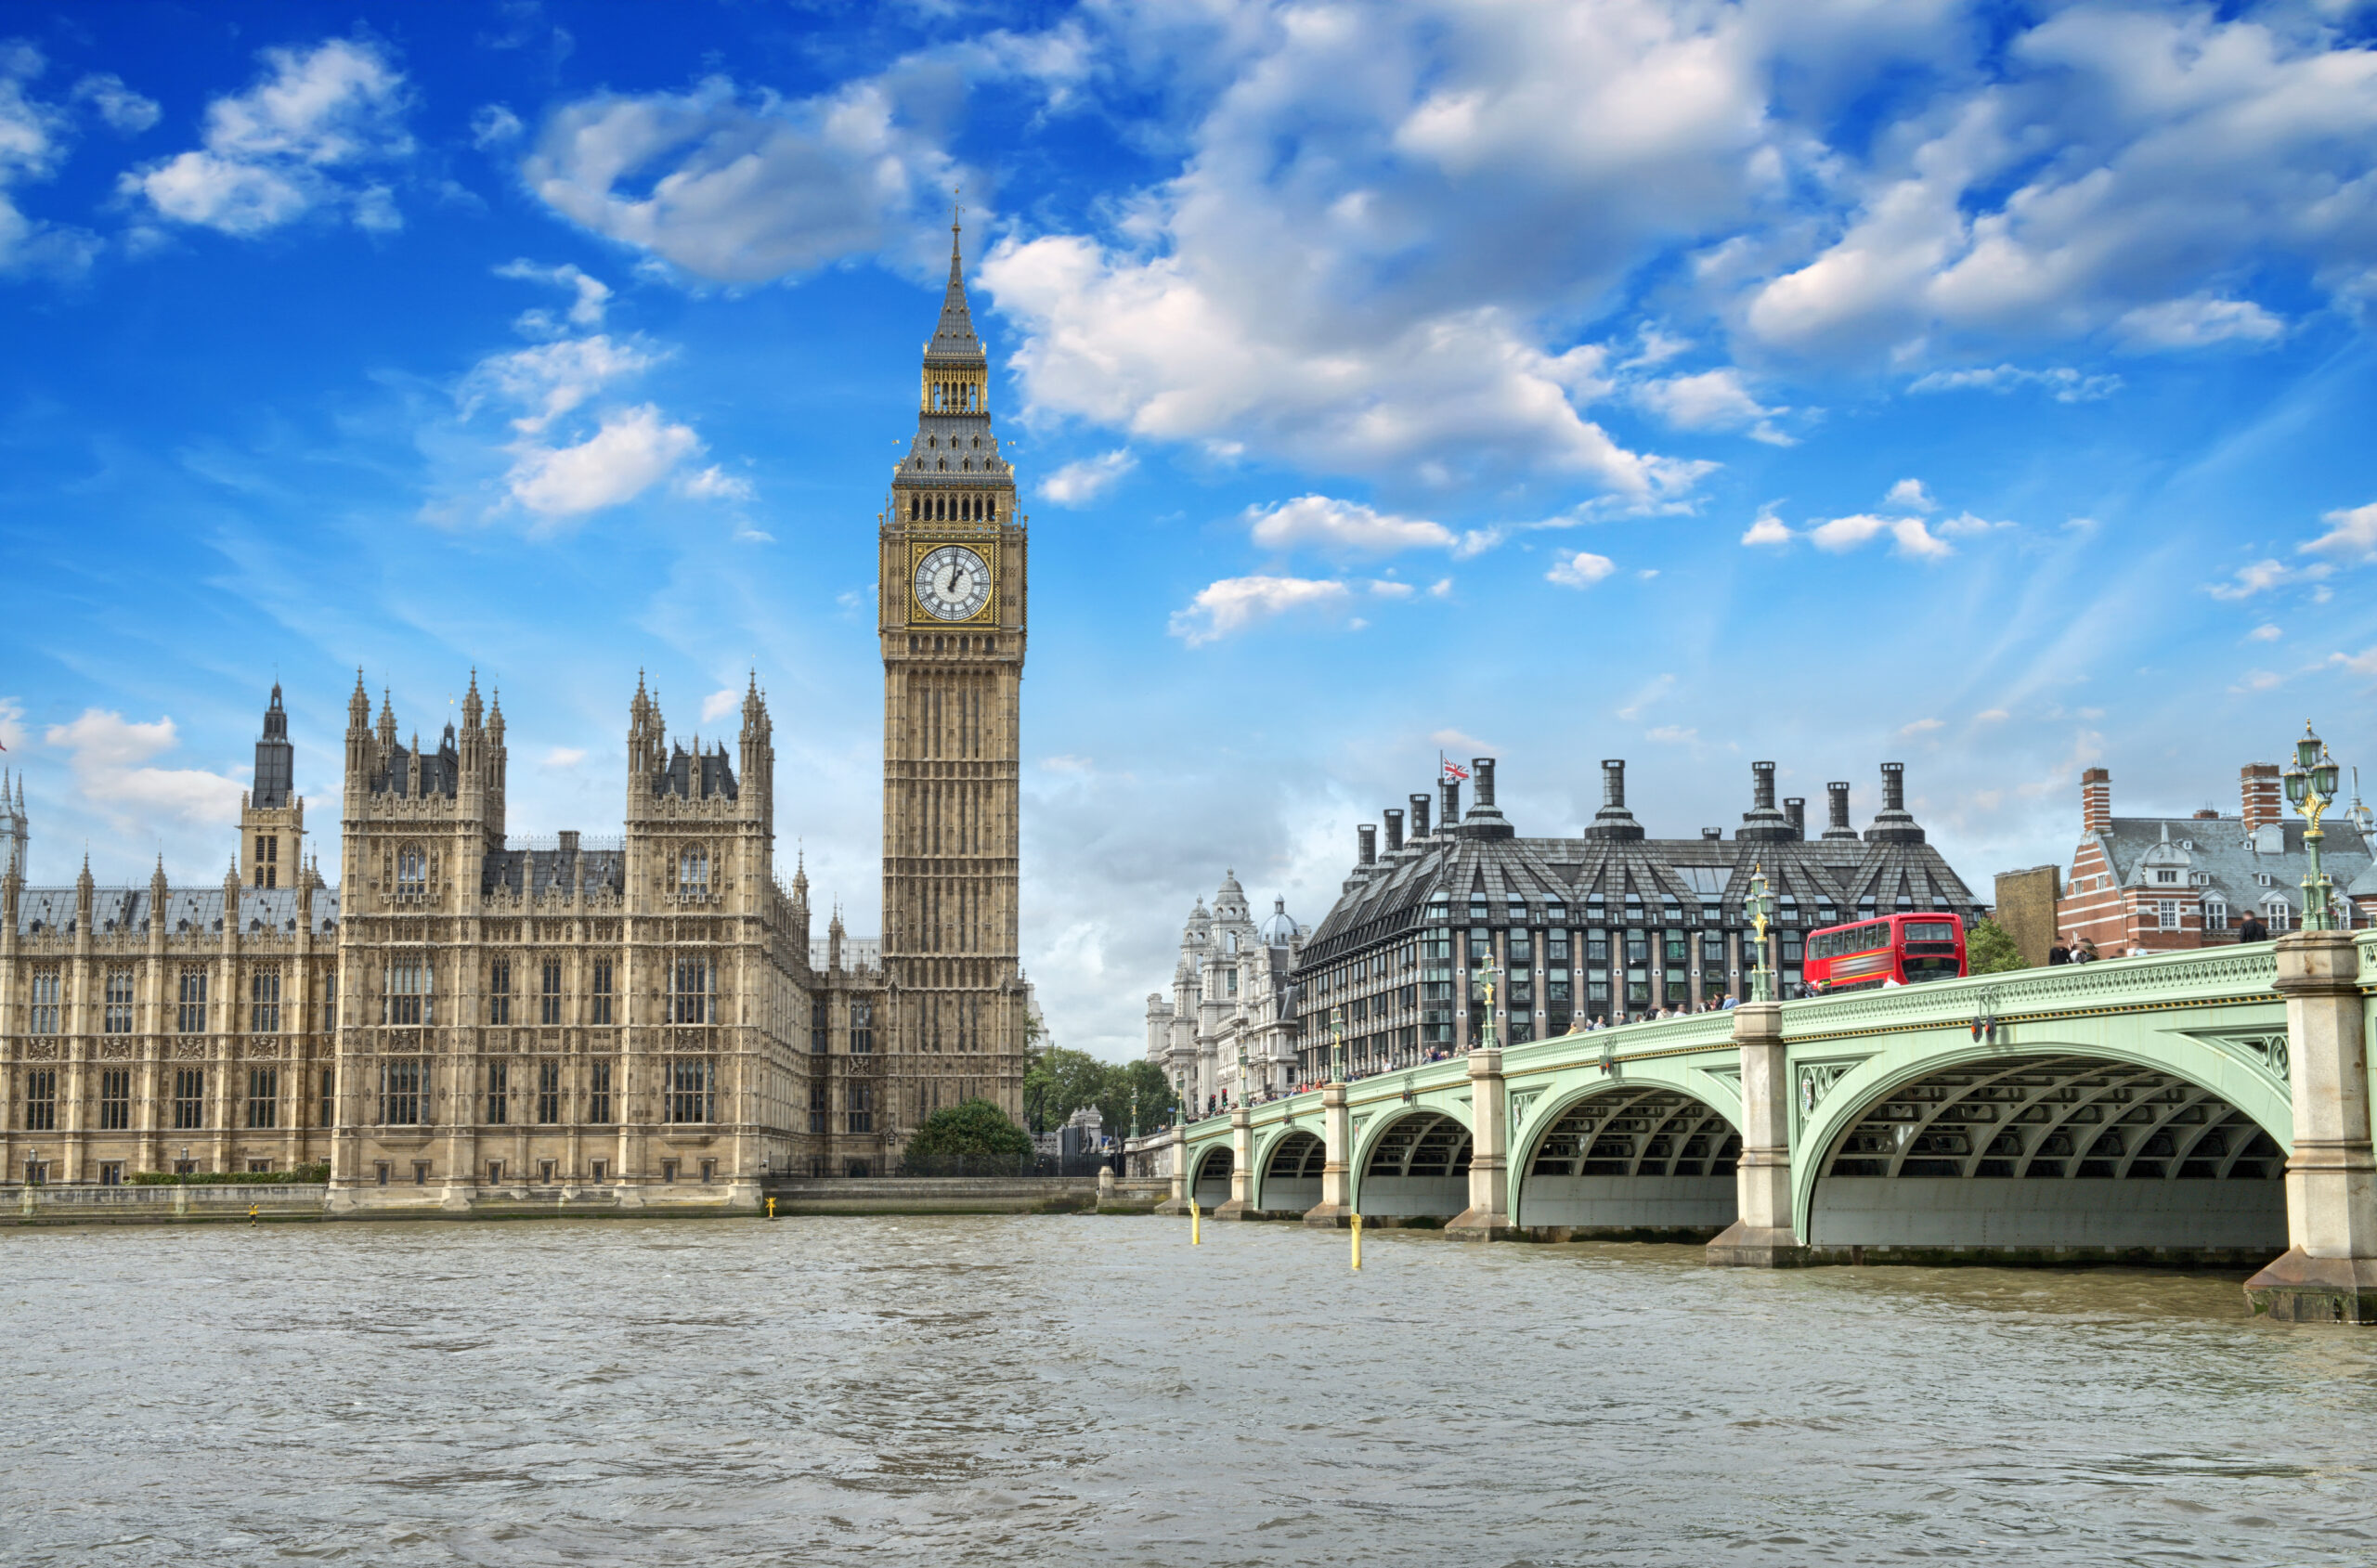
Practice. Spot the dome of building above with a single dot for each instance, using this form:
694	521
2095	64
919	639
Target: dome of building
1279	928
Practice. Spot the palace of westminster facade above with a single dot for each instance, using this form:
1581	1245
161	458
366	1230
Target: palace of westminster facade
473	1019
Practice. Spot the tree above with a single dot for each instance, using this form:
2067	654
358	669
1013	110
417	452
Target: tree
1122	1080
1989	950
1058	1082
975	1135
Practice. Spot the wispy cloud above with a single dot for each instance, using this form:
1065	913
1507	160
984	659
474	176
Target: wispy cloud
1086	479
1235	604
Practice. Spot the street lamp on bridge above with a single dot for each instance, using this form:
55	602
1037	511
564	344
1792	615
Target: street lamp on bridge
1337	1044
2311	786
1759	907
1243	1101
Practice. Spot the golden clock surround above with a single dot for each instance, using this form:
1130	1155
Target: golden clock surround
987	549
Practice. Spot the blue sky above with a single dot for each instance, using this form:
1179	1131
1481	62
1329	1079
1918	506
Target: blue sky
1982	388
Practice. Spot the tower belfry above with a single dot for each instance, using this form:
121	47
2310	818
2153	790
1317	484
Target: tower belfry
272	816
952	625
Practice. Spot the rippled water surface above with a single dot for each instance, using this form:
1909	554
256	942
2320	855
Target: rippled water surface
1061	1391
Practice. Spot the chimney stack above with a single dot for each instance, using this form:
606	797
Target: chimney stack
2097	801
1449	797
2258	782
1795	811
1367	835
1393	815
1483	767
1892	824
1762	824
1762	788
1836	807
1614	821
1895	786
570	842
1419	817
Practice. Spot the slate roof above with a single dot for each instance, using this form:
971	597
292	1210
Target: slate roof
1670	878
536	871
2219	848
951	447
187	910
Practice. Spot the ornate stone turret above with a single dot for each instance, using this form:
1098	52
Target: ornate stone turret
16	829
272	815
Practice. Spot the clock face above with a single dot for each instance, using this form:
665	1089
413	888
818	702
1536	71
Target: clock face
953	583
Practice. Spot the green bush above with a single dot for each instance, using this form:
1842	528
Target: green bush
975	1133
303	1175
1990	950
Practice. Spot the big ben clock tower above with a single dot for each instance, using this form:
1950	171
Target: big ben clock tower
952	628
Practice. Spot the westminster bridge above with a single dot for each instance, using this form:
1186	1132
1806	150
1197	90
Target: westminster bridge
2209	1108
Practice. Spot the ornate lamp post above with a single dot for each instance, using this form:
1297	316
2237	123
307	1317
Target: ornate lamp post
1337	1044
1759	907
1243	1101
1488	972
2311	786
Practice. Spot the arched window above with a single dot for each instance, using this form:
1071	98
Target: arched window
692	872
412	871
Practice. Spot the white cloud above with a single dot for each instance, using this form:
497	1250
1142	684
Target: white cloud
494	125
2063	382
1387	590
293	143
1992	716
591	294
1440	589
12	724
633	450
1086	479
1672	734
720	703
564	757
554	379
2198	322
2260	577
1711	400
1767	529
1965	523
1579	569
1908	495
747	188
2363	663
32	143
2351	536
2264	633
1342	528
1908	534
109	758
1234	604
2187	147
125	112
1921	727
714	483
2258	681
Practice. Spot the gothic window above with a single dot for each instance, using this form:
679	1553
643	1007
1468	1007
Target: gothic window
41	1100
499	1092
598	1096
264	1002
330	1006
264	1097
191	1018
690	1086
862	1028
690	989
818	1108
119	998
330	1098
406	997
115	1100
404	1092
602	991
499	992
692	872
549	996
861	1107
412	872
44	1019
190	1098
548	1093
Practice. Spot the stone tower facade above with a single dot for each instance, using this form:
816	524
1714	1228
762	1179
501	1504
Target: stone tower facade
272	814
952	625
16	830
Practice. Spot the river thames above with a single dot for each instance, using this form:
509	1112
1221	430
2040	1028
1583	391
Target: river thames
1092	1390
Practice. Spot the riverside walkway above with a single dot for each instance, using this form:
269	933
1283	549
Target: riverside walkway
2208	1108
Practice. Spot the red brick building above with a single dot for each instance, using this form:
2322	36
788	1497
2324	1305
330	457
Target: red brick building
2156	884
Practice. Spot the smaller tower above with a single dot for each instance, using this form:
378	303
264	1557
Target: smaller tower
272	815
16	831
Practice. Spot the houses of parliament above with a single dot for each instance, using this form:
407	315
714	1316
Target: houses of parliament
472	1018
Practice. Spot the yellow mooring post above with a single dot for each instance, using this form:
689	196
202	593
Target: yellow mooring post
251	1214
1193	1239
772	1207
1358	1243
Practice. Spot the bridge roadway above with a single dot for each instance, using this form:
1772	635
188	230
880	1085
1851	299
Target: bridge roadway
2209	1108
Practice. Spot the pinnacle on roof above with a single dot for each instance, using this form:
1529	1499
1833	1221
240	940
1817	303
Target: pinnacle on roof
952	335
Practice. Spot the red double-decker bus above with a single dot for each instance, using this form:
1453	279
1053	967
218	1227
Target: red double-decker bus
1894	950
